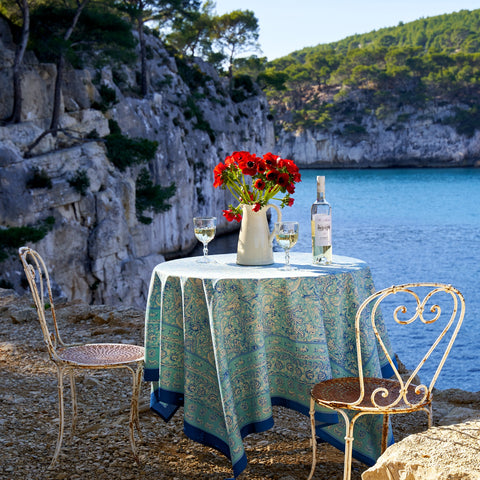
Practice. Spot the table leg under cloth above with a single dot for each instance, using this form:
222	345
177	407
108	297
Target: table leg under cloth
230	351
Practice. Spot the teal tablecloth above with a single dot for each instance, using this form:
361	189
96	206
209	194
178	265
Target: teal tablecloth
227	342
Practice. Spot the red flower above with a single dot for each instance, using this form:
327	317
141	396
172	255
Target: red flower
249	168
296	177
256	207
272	175
247	164
218	171
283	179
230	216
230	160
289	165
270	159
261	166
259	184
291	168
290	188
290	202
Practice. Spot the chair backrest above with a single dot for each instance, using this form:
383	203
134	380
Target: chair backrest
39	282
439	306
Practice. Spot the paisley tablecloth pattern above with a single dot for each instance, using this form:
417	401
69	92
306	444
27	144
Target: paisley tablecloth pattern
227	346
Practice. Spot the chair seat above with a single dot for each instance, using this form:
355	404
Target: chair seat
329	392
101	354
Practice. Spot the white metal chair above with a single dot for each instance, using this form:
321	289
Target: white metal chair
379	396
69	358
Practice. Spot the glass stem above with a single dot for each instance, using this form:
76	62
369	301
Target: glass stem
205	249
287	257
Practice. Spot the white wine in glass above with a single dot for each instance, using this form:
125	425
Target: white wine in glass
204	228
286	234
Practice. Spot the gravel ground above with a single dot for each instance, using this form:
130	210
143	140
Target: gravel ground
100	448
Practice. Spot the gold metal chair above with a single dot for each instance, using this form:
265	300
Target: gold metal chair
378	396
69	358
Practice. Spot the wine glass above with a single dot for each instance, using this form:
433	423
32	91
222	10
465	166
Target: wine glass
204	228
286	234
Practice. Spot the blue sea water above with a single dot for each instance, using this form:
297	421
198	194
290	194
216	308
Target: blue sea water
409	225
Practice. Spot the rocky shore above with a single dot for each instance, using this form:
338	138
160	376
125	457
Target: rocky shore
101	450
423	141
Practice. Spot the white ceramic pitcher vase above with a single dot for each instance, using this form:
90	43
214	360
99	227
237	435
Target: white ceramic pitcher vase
255	240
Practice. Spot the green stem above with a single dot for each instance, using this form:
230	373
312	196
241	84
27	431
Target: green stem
231	191
245	196
271	193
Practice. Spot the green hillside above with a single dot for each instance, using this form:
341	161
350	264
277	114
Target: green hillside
453	32
431	60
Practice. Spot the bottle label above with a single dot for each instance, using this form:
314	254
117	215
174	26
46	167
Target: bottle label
322	229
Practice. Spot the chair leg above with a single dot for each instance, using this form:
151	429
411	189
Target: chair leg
60	373
134	418
349	425
74	400
430	415
314	438
386	418
139	383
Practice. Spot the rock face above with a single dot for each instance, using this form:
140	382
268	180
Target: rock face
444	452
422	140
98	251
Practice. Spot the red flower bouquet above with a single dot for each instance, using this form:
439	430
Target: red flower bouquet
256	181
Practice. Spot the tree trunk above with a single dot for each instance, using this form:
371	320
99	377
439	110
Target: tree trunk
18	63
230	63
57	95
143	56
60	68
17	95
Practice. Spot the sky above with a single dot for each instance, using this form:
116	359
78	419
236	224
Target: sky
286	26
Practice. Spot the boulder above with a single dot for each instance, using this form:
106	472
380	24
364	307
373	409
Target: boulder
449	450
440	453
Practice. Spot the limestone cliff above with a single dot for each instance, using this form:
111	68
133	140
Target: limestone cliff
98	251
404	138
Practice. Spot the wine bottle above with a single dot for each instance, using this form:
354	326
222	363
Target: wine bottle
321	226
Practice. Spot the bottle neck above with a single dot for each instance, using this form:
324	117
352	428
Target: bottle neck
320	196
320	189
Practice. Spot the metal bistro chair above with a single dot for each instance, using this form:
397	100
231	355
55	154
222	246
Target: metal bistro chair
69	358
379	396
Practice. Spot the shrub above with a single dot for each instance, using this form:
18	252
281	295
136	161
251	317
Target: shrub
465	122
191	74
39	179
353	129
13	238
193	110
151	197
242	88
124	152
80	181
109	98
6	284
